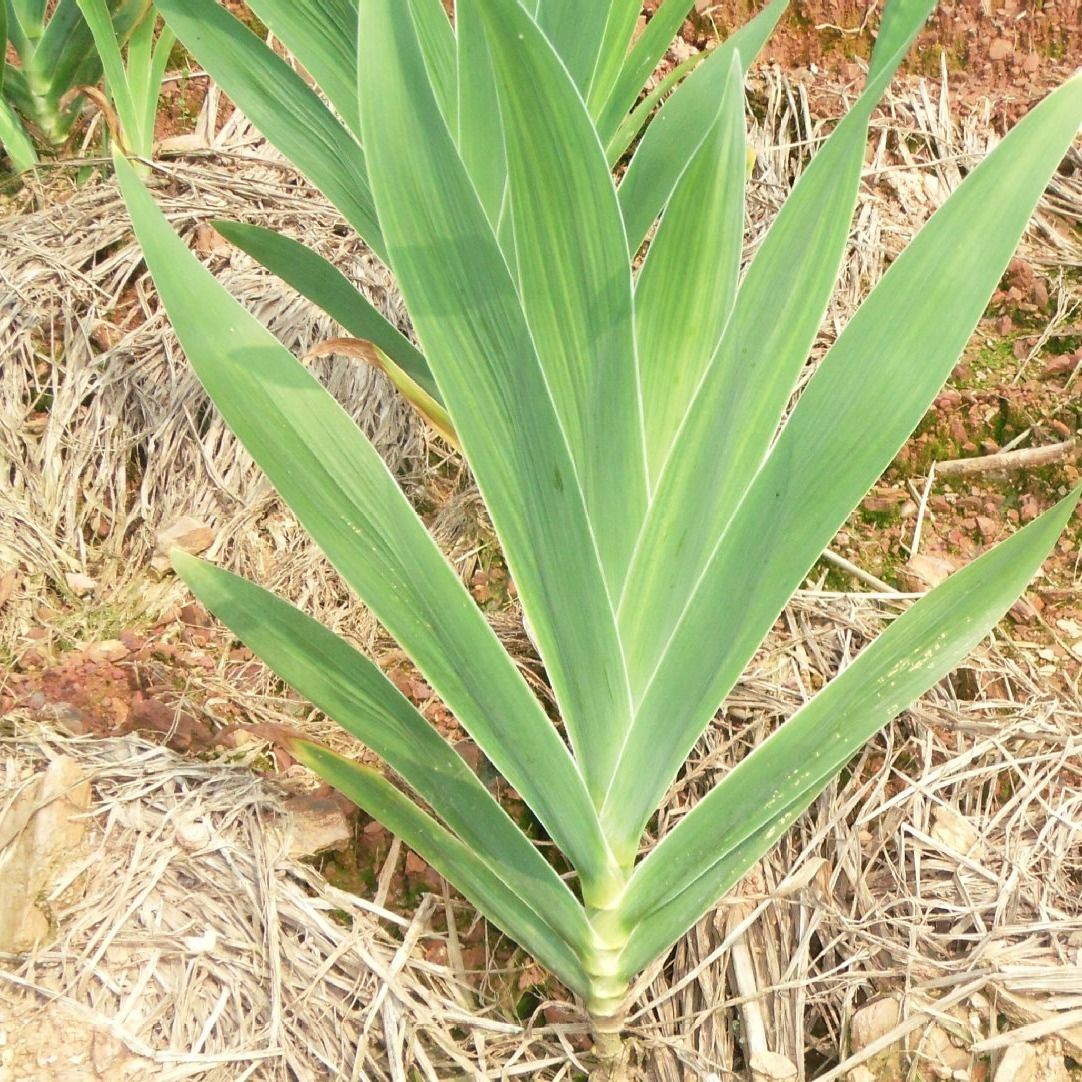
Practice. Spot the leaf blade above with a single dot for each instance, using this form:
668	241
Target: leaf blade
467	313
681	124
15	141
294	119
480	128
323	37
437	42
722	428
453	860
644	56
343	494
866	397
687	284
787	771
576	31
612	52
352	690
325	285
574	274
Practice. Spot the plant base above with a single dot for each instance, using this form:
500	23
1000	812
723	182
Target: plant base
612	1052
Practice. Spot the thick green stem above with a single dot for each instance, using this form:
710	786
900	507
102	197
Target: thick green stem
608	986
610	1049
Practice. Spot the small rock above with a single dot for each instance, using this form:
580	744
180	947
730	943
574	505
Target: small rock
415	865
943	1055
132	641
420	872
1063	365
882	504
966	684
923	571
955	831
43	828
68	716
316	825
80	585
195	615
874	1020
190	534
861	1074
201	944
7	587
1000	49
192	832
988	527
471	753
107	650
1023	611
31	659
772	1067
1019	1064
153	716
208	241
106	336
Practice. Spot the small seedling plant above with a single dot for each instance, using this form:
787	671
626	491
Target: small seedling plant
61	51
133	76
626	416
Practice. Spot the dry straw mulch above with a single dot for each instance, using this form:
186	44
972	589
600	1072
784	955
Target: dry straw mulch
944	868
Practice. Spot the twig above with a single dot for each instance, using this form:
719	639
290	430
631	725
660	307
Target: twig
1010	460
858	573
766	1065
922	508
1034	1031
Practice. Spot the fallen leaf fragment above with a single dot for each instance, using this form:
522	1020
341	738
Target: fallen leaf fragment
41	832
190	534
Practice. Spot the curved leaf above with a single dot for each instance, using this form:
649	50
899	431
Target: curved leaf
453	860
681	125
343	494
708	851
422	402
322	35
349	688
292	117
324	284
14	140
